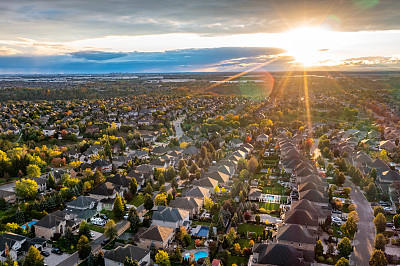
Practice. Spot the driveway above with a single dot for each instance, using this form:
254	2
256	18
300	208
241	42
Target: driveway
178	128
55	259
364	238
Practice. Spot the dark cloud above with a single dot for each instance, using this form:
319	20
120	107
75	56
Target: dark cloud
60	20
97	55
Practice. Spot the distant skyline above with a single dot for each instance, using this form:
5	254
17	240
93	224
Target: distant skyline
40	36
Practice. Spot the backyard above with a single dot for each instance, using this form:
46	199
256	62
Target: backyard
137	200
245	228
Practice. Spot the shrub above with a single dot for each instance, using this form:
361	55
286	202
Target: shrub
329	260
321	258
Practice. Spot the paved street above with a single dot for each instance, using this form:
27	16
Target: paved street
178	128
364	238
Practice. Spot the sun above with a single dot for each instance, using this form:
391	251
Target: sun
309	45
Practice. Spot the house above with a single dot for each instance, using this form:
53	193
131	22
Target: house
297	236
387	145
161	236
198	193
192	205
116	257
262	138
219	176
41	182
19	245
314	196
207	183
301	217
170	217
255	194
83	207
279	254
53	224
216	262
8	196
106	190
120	180
102	165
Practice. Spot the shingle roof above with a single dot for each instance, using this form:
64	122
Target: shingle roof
299	216
277	254
157	233
296	233
120	253
168	214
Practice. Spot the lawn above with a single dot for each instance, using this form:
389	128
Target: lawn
200	223
192	245
110	215
96	228
237	260
244	243
137	200
244	228
269	206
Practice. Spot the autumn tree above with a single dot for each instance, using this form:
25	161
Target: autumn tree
110	229
345	248
380	223
84	248
33	258
252	165
118	208
133	186
162	258
26	189
378	258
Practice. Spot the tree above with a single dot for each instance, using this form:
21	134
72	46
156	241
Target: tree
342	262
84	229
217	190
319	249
380	242
346	191
380	223
220	224
378	258
134	220
33	258
242	164
130	262
110	229
161	199
184	173
148	189
69	237
26	189
9	260
252	165
378	209
373	173
133	186
148	202
396	220
33	170
350	227
208	203
162	258
231	237
118	208
52	181
372	191
84	248
345	248
258	219
91	260
177	256
19	216
244	175
340	178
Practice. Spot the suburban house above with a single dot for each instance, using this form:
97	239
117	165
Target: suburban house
19	245
161	236
8	196
106	190
54	223
170	217
116	257
197	192
207	183
297	236
192	205
83	207
278	254
102	165
255	194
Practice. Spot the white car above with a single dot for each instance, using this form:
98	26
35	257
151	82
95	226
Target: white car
92	234
126	216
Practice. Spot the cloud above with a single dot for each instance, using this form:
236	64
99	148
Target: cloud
60	20
97	55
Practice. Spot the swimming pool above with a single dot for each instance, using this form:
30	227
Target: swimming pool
198	255
203	232
30	224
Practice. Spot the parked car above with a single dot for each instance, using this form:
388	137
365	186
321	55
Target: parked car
104	242
126	216
92	234
57	251
45	253
390	224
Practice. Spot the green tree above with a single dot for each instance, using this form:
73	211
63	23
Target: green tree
148	189
162	258
378	258
380	223
133	186
220	224
252	165
26	189
69	237
33	258
33	170
342	262
91	260
345	248
148	202
84	248
134	220
378	209
52	181
118	209
258	218
373	173
110	229
184	173
380	242
350	227
84	229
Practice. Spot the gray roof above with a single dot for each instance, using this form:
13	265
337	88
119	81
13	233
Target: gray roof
168	214
81	202
295	233
120	253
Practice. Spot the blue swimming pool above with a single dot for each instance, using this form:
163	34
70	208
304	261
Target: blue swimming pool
203	232
30	224
198	255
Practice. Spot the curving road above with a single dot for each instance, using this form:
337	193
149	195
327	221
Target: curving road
364	238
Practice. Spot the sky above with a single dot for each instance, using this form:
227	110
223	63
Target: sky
103	36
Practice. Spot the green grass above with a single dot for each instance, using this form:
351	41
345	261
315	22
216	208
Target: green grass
137	200
237	260
244	228
110	215
96	228
244	243
269	206
201	223
191	246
